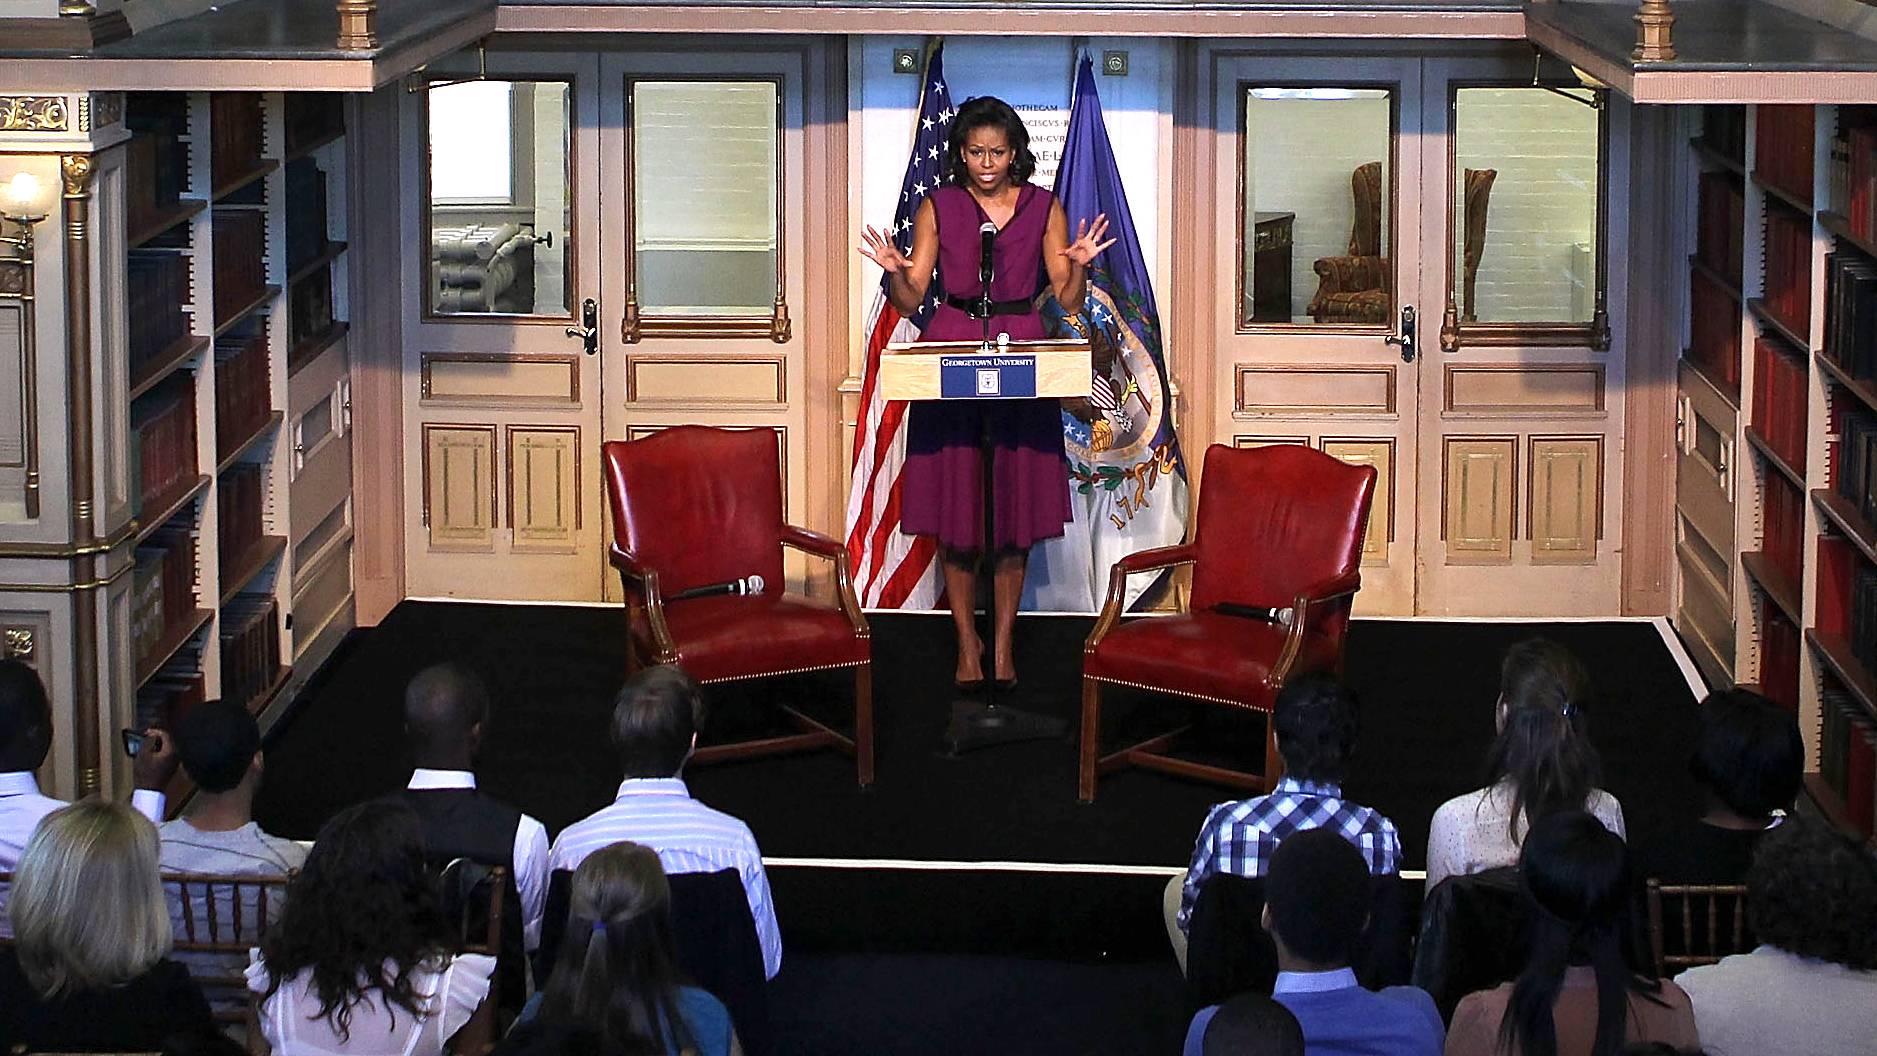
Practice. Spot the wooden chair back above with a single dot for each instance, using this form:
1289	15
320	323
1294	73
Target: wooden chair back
481	933
1693	924
215	920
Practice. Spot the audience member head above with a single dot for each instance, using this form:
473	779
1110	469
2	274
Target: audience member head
617	972
219	745
445	706
362	914
1316	900
655	721
1576	876
1748	755
87	909
1813	892
25	717
1541	749
1253	1025
1315	717
988	111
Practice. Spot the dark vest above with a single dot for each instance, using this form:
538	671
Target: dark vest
465	823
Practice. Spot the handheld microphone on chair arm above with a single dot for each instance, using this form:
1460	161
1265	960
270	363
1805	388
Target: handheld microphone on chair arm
1281	617
746	585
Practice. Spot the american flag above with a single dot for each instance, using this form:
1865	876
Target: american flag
891	569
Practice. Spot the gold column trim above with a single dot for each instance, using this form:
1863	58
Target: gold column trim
17	644
34	113
81	589
54	551
358	24
76	9
1655	21
76	171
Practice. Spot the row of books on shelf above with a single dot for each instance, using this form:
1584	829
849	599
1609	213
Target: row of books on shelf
1782	148
1782	528
240	260
237	135
1851	313
1854	477
162	586
1847	756
1779	657
1853	173
306	212
1788	264
1780	390
239	512
1720	230
168	694
250	640
163	439
1864	616
1724	130
309	306
156	285
1714	332
156	171
242	389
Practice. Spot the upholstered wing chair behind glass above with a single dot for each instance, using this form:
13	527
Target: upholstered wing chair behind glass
1354	288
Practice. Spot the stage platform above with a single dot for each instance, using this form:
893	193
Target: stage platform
974	890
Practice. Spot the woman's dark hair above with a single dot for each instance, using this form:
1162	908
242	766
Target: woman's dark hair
1315	718
1813	892
988	111
1576	878
1748	753
1542	750
362	914
616	973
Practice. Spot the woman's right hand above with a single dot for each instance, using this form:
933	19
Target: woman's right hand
883	252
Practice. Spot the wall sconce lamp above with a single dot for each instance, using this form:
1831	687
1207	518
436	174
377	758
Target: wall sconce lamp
23	204
1587	80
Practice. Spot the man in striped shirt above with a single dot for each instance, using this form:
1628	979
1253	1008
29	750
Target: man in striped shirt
655	720
1315	718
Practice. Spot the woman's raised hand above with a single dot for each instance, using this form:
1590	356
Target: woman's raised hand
1088	244
882	251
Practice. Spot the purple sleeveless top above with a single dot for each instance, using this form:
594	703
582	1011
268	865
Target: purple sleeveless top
1017	252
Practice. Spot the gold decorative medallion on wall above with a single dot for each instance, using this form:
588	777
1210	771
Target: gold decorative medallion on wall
33	113
17	644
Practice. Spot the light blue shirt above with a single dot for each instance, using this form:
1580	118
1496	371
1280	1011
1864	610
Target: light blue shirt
1340	1018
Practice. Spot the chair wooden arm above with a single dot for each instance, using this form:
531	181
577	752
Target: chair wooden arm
1308	598
812	542
631	572
1139	561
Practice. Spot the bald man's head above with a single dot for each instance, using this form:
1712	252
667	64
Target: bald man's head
444	709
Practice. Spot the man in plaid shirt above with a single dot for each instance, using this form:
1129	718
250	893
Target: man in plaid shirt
1315	718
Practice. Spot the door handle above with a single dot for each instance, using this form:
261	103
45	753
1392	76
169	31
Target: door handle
1406	340
589	329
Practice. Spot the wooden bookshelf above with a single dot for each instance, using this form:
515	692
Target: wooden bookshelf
1798	203
1853	527
1773	458
1864	391
310	348
182	350
174	638
301	150
266	294
1717	158
325	256
1832	807
1836	652
168	506
1760	311
238	181
1840	227
162	220
228	461
249	563
1729	286
1783	593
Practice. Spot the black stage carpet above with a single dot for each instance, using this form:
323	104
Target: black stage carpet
881	955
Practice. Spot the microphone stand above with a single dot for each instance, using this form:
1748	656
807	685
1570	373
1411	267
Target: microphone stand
984	723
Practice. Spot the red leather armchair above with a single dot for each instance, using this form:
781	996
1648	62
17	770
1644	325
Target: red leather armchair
692	506
1277	527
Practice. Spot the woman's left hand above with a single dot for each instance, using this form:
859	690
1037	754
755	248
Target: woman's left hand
1088	244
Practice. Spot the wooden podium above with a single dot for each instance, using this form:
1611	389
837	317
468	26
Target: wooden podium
966	370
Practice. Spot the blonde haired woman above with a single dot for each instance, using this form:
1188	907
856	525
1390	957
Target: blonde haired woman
89	970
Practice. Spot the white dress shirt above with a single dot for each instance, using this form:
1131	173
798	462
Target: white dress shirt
689	837
530	853
22	806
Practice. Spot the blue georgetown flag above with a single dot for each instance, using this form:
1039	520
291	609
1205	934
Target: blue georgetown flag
1127	482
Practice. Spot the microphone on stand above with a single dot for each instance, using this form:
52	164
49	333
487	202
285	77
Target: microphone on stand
746	585
987	239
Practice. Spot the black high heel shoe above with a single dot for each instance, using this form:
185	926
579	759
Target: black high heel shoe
1006	685
971	687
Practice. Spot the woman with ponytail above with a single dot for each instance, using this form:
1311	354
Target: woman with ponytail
621	985
1576	995
1541	763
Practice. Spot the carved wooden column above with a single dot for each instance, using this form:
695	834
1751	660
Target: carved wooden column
75	169
1654	21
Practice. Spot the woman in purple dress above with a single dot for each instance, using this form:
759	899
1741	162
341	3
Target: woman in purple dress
987	180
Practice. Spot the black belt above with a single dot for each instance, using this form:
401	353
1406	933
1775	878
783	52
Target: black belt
973	307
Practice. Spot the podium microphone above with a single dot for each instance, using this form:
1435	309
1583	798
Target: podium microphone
987	239
746	585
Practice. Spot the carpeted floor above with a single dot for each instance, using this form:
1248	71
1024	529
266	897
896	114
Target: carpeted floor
891	953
